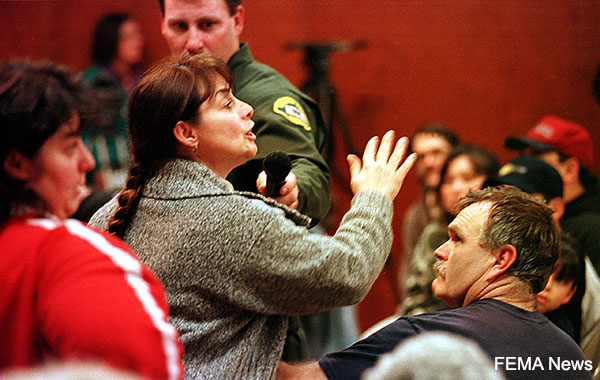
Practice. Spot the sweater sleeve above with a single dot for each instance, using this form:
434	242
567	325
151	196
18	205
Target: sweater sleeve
293	271
97	301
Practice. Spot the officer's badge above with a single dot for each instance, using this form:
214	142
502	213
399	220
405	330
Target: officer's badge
289	108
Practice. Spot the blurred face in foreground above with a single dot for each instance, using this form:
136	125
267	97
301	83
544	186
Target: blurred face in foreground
56	173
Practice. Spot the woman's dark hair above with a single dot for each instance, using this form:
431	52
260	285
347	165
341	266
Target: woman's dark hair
570	266
484	162
106	37
170	91
35	100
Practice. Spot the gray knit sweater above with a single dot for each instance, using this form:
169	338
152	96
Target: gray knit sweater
236	264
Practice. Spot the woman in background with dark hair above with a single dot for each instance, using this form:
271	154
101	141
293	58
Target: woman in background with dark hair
117	55
67	292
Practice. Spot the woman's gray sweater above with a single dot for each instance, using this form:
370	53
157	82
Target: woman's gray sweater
235	265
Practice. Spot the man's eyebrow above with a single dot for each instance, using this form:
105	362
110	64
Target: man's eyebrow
452	229
179	18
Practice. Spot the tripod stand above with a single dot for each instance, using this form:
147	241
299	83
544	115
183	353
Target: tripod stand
320	87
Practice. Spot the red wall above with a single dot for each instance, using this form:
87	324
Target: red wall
486	68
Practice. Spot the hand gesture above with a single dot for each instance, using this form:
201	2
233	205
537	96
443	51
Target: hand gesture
380	168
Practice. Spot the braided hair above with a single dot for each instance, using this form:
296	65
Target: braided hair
170	91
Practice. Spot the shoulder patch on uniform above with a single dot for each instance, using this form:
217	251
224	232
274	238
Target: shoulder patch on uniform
289	108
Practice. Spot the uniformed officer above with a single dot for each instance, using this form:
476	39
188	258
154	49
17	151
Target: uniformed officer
286	119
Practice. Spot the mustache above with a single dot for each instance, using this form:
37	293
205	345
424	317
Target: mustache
439	268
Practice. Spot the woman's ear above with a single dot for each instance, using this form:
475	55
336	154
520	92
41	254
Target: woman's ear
17	166
186	134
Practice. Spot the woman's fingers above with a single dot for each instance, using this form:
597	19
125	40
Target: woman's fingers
385	148
354	164
399	151
405	167
371	149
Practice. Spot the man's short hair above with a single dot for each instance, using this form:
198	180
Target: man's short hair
519	219
231	6
435	129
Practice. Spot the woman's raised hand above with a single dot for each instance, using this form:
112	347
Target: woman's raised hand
381	168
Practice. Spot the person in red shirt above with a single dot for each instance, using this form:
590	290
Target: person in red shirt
68	292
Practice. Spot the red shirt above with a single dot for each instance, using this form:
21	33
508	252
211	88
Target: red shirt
68	291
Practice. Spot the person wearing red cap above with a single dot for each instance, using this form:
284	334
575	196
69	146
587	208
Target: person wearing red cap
568	147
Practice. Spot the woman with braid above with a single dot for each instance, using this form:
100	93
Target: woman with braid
237	264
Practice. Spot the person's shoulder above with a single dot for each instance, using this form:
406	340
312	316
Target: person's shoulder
76	231
254	75
476	312
68	239
415	214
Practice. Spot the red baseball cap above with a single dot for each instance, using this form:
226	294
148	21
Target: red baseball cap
553	133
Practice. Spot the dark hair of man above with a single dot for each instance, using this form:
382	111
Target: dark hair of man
35	100
170	91
435	129
231	6
106	37
519	219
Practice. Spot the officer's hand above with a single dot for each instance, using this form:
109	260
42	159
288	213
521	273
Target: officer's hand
289	191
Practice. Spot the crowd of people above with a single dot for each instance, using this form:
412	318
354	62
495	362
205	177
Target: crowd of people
181	267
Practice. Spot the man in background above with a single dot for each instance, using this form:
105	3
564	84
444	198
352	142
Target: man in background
568	147
433	143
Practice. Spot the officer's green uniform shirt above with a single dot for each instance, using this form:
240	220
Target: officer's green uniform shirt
285	119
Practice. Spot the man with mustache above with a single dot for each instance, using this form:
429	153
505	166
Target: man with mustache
501	249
